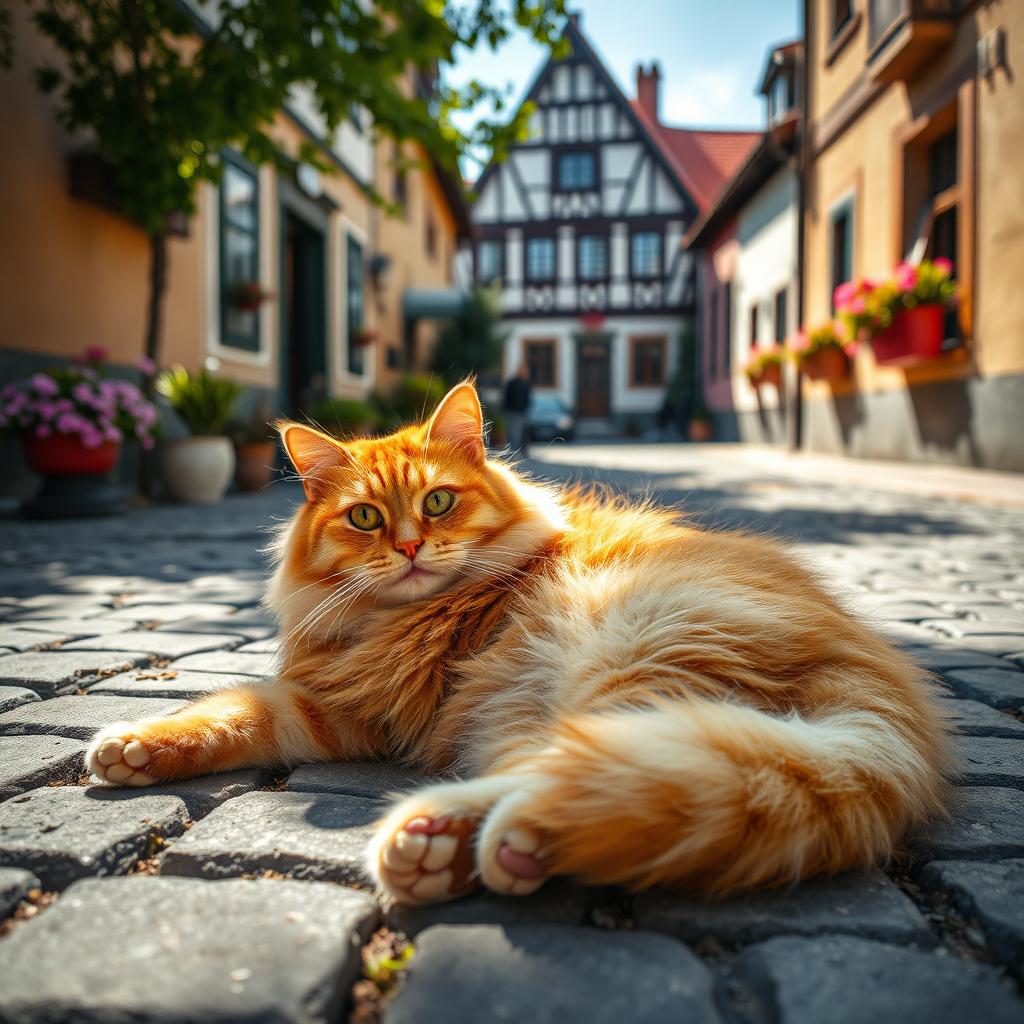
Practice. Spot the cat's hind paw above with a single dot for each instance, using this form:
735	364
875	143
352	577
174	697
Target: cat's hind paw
511	858
119	757
427	859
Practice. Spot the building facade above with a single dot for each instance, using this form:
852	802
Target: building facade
338	269
915	128
582	227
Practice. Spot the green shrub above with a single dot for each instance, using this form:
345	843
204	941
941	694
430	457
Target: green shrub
415	397
206	403
344	417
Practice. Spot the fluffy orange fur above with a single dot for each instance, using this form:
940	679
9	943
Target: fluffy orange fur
625	698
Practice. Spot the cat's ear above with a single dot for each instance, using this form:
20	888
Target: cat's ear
310	451
458	419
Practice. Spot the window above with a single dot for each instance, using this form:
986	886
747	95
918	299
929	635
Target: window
648	362
727	326
780	316
239	254
593	257
540	259
842	12
754	325
430	240
354	302
646	254
780	96
488	261
540	362
841	246
576	171
882	15
713	334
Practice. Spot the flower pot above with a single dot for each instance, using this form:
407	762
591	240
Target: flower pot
828	363
65	455
700	431
913	336
255	464
771	374
197	469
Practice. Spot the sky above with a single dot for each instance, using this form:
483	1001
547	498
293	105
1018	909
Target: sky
711	52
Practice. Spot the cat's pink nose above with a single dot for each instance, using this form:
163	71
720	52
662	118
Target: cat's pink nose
408	547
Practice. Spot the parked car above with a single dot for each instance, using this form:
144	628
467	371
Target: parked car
550	419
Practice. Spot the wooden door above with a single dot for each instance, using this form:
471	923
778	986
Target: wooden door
593	378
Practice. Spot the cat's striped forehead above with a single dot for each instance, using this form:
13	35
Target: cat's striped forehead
381	467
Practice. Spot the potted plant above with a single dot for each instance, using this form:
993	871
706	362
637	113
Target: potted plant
701	427
344	417
248	296
765	367
822	353
364	337
198	468
73	421
255	449
903	317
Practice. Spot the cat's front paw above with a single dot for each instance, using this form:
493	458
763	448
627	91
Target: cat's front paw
120	757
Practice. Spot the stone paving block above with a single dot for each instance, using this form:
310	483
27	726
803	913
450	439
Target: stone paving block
903	611
206	792
989	761
169	682
991	893
165	613
969	628
15	885
80	717
163	645
984	824
14	637
27	762
1001	688
271	645
556	902
551	975
228	662
845	980
181	950
318	836
855	903
375	779
247	623
75	628
12	697
997	646
50	672
70	832
942	660
62	606
972	718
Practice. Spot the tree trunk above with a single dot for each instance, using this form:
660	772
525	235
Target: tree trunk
154	334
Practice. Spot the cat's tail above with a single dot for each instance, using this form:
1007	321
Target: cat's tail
721	797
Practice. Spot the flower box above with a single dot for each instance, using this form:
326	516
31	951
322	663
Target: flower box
66	455
827	363
915	335
770	374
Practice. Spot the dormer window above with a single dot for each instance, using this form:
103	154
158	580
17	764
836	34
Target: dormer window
781	96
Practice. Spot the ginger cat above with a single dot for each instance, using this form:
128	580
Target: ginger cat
626	699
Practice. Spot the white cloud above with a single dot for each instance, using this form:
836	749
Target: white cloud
707	96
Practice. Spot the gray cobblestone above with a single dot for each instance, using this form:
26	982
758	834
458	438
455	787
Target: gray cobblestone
942	660
182	684
164	645
249	623
984	824
1002	688
168	614
229	663
75	627
551	975
15	885
12	697
174	949
52	672
374	779
80	717
16	638
972	718
27	762
990	761
317	836
844	980
70	832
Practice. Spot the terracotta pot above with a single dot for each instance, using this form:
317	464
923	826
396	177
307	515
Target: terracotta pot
828	363
913	336
255	467
197	469
771	374
65	455
700	431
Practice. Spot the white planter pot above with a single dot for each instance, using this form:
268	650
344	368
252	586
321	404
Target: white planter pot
197	469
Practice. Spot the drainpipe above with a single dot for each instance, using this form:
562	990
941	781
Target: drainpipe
796	419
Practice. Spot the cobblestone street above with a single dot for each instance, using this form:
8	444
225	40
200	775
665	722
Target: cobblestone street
242	897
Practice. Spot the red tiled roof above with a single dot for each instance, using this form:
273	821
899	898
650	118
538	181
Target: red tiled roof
703	160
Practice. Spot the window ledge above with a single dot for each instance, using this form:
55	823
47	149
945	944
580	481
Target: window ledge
841	38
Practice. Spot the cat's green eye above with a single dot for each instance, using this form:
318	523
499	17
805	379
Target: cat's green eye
438	502
365	517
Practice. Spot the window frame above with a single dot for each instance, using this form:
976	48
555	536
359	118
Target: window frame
230	339
355	363
604	271
780	314
499	248
713	329
575	186
638	341
546	344
845	207
754	322
550	270
837	23
727	326
636	236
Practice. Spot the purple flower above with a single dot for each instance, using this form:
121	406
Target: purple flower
42	430
145	365
147	442
96	354
44	384
83	393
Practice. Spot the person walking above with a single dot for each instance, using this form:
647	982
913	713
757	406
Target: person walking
517	404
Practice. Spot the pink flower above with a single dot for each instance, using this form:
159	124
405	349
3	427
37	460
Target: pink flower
83	393
906	276
112	434
799	342
855	306
96	354
850	348
46	410
145	365
147	443
943	266
44	384
843	294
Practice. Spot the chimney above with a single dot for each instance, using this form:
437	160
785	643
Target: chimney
647	89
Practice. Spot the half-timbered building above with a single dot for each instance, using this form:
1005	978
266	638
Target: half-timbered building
582	227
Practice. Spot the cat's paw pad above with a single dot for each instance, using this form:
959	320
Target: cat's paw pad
428	859
118	756
513	862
